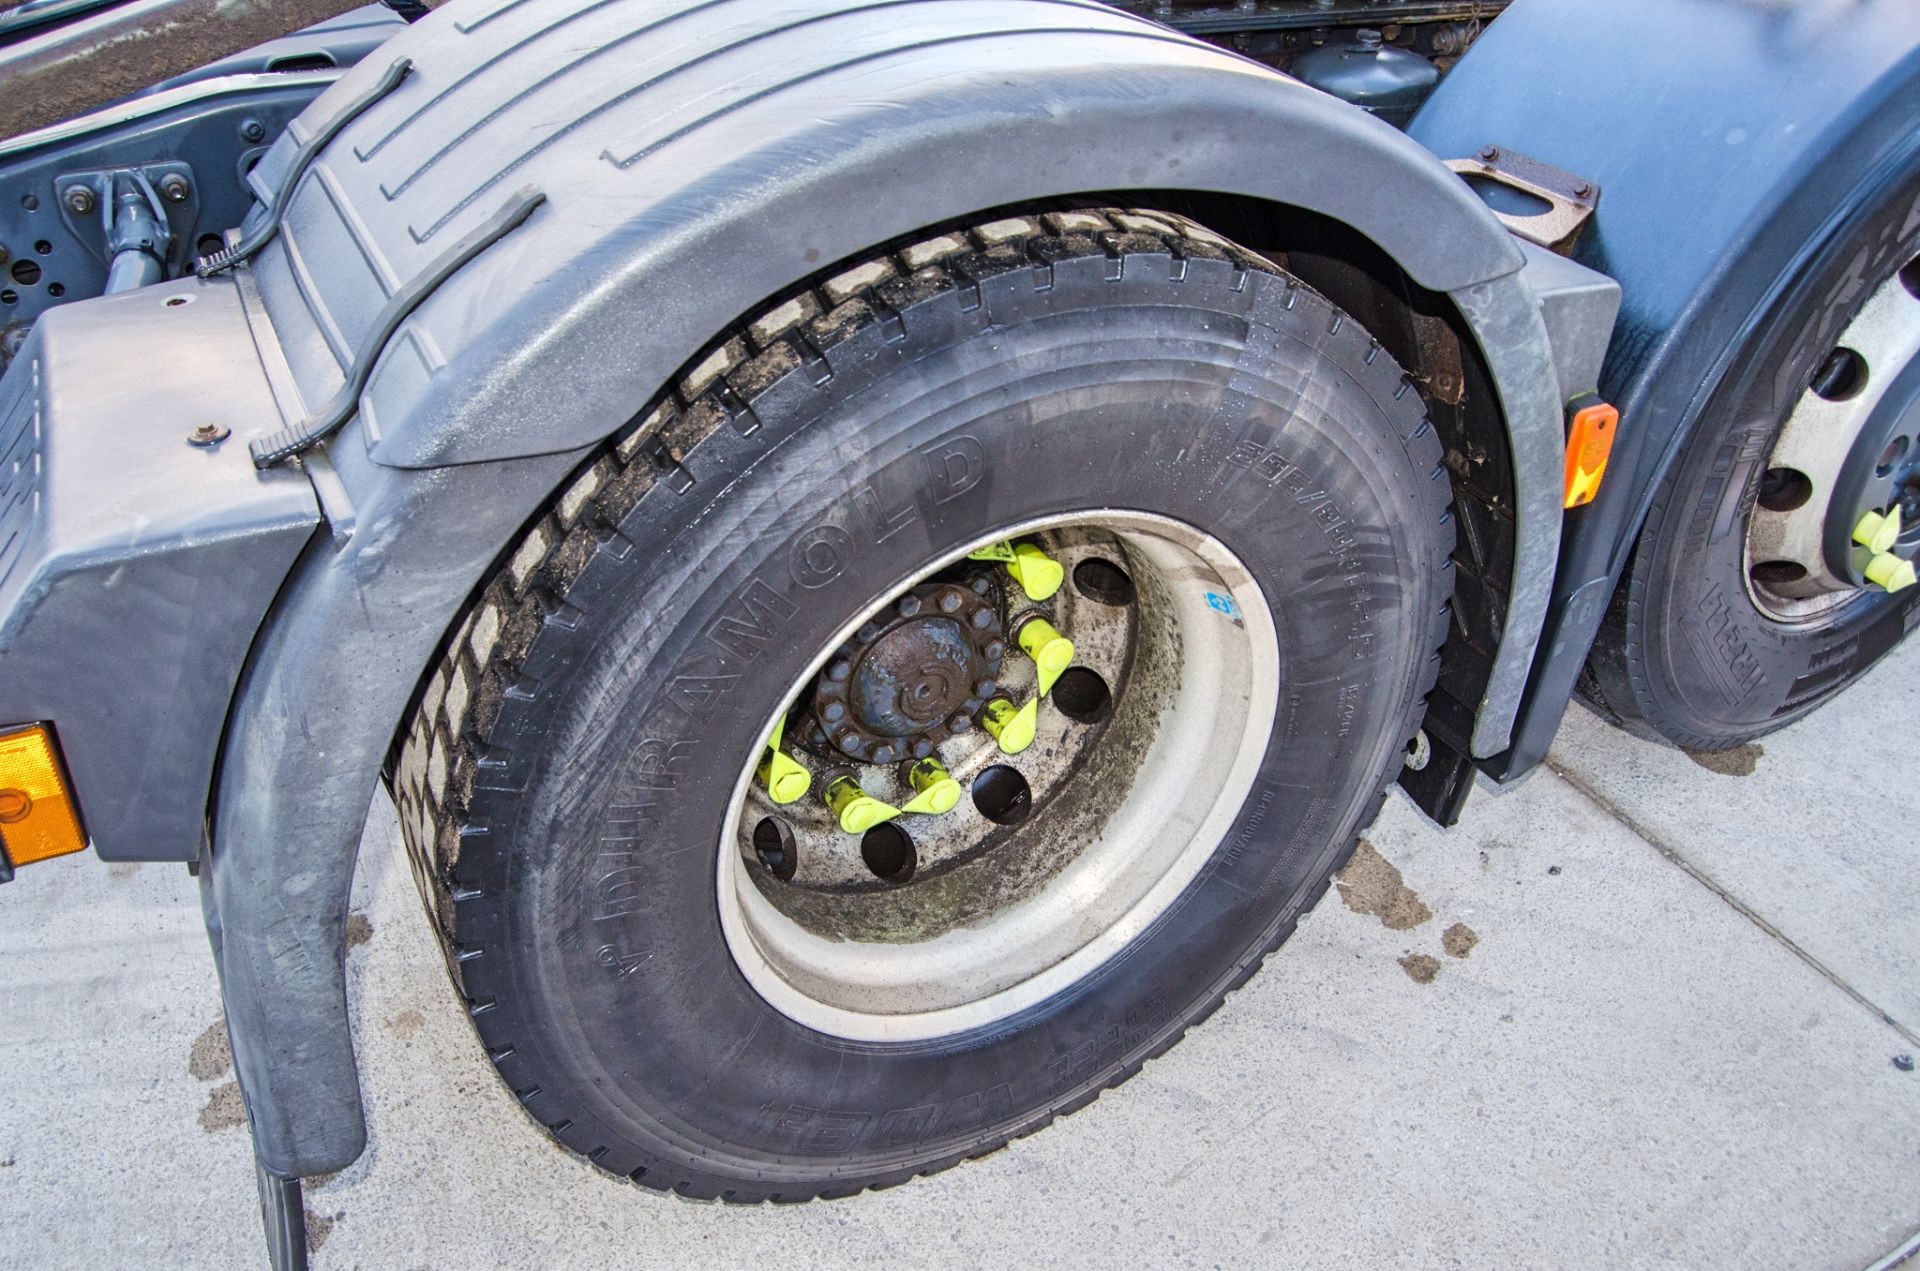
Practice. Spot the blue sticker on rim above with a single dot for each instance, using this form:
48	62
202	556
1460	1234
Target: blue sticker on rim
1223	604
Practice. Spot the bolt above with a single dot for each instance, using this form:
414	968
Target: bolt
907	606
208	435
1903	1062
79	200
979	584
834	712
984	688
948	600
174	188
982	618
840	670
252	131
868	632
884	754
1490	154
960	724
995	650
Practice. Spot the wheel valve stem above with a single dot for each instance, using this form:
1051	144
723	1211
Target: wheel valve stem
855	809
785	779
935	790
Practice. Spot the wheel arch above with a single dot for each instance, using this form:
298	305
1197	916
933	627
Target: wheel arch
644	252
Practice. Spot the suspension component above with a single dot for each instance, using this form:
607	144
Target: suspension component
935	790
785	779
1051	652
1038	574
855	809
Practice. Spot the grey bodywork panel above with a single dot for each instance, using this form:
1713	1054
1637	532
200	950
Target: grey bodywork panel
137	567
691	170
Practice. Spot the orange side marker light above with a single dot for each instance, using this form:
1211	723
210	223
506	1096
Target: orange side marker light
1589	443
37	816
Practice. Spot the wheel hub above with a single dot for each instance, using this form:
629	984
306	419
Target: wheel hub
911	680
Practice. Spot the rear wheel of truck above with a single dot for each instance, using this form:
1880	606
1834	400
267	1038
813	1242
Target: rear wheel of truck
937	704
1775	567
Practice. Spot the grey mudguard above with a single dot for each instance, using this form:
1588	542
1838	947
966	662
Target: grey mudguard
135	566
698	158
695	160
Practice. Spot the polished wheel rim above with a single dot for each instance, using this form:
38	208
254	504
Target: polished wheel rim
906	863
1838	511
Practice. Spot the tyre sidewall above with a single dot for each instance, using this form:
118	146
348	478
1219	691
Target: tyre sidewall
605	804
1698	660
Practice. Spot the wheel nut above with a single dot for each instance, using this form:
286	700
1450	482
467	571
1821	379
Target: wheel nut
79	200
785	779
1050	651
1038	574
1012	727
907	606
949	602
840	670
984	688
834	712
935	790
854	808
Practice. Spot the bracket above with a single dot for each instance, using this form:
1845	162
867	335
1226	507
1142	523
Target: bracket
1570	199
85	200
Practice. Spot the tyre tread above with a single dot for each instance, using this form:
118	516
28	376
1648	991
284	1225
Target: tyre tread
449	748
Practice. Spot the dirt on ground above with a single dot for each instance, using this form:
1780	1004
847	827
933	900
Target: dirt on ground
1371	884
1738	762
1420	967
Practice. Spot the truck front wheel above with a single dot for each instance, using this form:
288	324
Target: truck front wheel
932	708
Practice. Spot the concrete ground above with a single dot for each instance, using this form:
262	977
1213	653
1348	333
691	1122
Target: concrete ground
1679	1036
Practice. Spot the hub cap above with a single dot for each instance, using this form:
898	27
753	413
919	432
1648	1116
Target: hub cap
1846	463
1153	675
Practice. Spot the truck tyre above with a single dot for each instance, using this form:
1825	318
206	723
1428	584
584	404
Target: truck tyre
1214	489
1749	600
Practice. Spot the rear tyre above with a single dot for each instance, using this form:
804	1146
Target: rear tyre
705	1002
1748	602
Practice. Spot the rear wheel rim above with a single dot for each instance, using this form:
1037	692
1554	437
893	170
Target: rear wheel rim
1848	448
1146	750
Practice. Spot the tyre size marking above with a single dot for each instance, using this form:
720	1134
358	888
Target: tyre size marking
1715	636
842	1132
1276	470
1237	846
1073	1065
